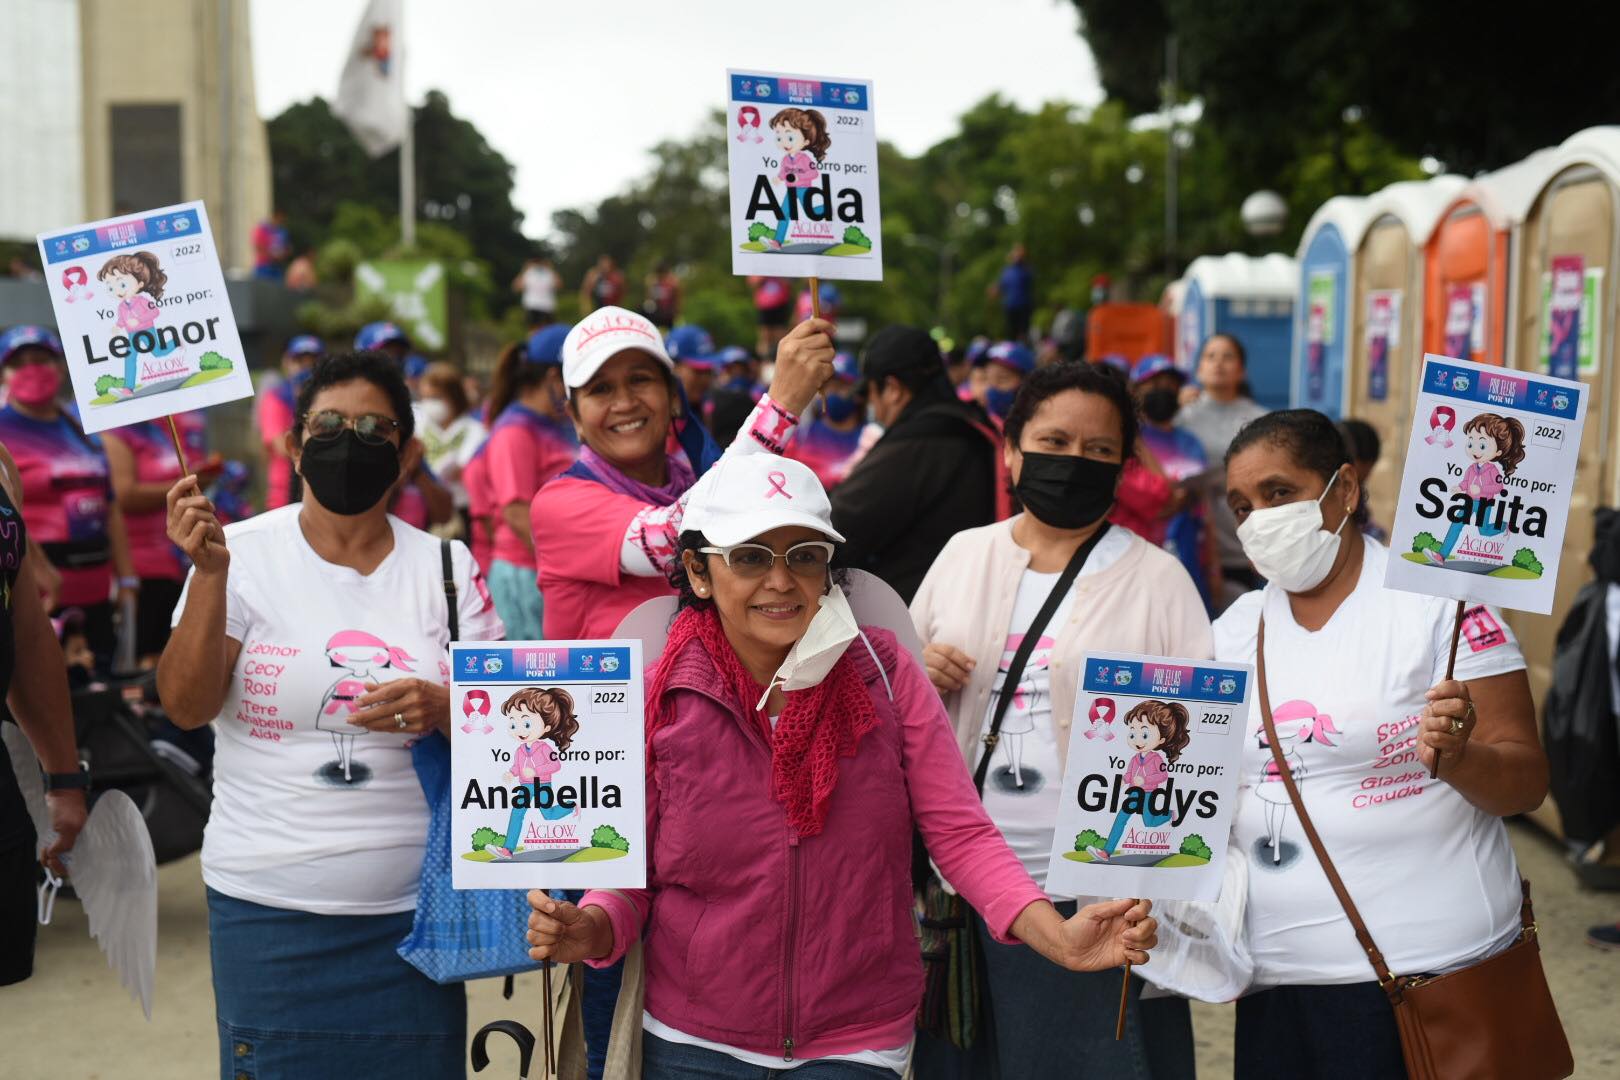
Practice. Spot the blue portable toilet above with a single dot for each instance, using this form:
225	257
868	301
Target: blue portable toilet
1251	298
1322	318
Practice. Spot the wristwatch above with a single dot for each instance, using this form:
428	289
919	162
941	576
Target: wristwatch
68	781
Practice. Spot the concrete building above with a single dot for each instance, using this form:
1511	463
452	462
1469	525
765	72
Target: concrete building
106	109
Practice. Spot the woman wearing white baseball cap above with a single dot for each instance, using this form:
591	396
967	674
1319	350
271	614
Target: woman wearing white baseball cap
791	753
605	530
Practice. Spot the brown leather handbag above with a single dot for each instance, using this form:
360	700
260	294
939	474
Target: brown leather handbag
1494	1020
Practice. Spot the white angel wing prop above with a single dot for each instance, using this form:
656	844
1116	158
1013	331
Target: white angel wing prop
112	867
114	874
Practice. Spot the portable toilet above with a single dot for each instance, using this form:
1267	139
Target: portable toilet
1321	314
1386	351
1573	225
1251	298
1469	264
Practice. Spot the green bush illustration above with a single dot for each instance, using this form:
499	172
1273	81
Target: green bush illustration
759	231
1424	540
1525	559
853	235
1090	838
213	361
484	837
606	836
1194	845
105	384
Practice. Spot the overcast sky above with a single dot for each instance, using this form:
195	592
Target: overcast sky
545	79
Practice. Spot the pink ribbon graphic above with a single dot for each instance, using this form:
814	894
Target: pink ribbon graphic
778	484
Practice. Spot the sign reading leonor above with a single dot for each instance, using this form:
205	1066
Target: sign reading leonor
1490	467
804	177
141	306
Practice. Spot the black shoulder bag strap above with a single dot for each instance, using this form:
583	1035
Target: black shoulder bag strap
447	565
1037	626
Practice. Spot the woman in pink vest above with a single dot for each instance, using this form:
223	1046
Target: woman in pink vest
791	752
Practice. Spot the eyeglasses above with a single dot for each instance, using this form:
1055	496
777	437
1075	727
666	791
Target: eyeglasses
807	560
370	427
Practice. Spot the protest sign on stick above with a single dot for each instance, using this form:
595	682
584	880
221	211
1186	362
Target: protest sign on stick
145	321
547	775
804	178
1150	784
1490	468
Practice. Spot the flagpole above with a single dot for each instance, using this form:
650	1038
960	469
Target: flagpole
407	149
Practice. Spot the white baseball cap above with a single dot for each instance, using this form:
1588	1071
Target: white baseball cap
601	336
747	495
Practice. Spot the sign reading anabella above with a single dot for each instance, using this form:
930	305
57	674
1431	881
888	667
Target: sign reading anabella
804	177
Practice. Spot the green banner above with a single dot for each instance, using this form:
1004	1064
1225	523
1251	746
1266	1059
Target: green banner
416	293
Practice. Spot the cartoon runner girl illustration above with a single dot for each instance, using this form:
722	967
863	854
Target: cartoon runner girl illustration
1102	720
364	657
801	134
1441	421
1496	445
748	124
534	717
1157	730
1020	718
476	703
136	280
1296	722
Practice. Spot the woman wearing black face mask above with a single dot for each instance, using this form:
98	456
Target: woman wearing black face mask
315	639
1068	435
1157	383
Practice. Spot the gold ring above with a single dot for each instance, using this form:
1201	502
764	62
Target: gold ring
1457	726
399	719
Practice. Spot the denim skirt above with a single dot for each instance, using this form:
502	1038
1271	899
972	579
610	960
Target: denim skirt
325	997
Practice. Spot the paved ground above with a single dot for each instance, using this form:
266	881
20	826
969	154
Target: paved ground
71	1021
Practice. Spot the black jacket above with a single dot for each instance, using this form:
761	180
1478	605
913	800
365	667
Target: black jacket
932	475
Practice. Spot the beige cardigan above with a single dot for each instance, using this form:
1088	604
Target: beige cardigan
1143	603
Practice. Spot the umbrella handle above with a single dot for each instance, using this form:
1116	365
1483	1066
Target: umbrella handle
520	1035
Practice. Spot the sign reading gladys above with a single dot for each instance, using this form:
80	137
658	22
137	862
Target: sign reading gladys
804	177
547	765
141	307
1151	781
1490	467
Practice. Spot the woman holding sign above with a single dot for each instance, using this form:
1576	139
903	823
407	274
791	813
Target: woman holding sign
791	752
315	639
1069	433
1362	707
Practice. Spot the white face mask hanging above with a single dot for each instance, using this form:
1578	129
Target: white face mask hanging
1288	545
814	655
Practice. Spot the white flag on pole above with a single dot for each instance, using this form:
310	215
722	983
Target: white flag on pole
371	93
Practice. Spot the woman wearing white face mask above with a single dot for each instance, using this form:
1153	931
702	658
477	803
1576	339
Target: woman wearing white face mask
790	757
450	433
1355	675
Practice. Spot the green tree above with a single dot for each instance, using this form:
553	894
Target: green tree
1195	845
606	836
1090	838
483	837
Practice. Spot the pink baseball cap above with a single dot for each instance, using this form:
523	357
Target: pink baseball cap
604	334
746	495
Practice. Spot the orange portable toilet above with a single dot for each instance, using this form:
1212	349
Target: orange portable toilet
1387	274
1573	223
1130	330
1468	262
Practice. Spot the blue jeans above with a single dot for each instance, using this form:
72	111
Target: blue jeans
516	592
1058	1024
325	997
514	824
1457	527
793	197
664	1060
1324	1032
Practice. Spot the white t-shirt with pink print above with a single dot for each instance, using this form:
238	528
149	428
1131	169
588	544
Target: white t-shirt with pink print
1023	789
1433	876
288	828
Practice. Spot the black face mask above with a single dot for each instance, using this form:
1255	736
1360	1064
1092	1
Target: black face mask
1161	406
1067	492
348	475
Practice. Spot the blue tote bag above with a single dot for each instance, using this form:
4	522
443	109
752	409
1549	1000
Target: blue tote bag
473	933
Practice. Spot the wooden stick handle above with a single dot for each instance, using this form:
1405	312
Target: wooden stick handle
1124	999
1451	667
550	1038
815	298
179	448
